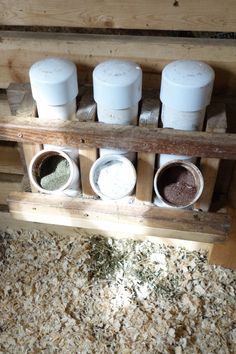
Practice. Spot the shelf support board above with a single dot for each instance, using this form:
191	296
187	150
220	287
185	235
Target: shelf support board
131	218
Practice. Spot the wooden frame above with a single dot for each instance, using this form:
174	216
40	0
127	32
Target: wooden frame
20	49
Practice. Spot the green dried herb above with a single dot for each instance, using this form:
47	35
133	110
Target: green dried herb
55	172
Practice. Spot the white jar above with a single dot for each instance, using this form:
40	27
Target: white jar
186	88
117	87
112	177
42	161
54	87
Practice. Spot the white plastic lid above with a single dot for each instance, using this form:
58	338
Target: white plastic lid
54	81
117	84
186	85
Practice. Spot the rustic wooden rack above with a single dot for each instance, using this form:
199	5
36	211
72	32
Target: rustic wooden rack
120	30
140	217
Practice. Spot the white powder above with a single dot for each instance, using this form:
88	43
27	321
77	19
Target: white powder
115	179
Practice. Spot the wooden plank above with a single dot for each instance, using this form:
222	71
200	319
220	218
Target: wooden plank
4	106
132	138
86	113
21	103
8	184
225	254
19	50
146	161
137	219
216	123
10	161
187	15
6	221
232	190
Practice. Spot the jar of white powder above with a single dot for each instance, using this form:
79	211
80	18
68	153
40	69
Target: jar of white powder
112	177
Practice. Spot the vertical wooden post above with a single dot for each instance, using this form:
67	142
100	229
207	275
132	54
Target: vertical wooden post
22	104
86	113
216	123
146	161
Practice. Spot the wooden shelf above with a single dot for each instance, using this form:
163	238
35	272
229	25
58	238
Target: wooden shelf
137	219
99	135
141	219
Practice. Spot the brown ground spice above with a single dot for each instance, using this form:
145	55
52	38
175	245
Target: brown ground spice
177	186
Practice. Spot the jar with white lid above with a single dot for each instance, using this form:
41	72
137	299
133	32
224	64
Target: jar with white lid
54	87
186	88
117	89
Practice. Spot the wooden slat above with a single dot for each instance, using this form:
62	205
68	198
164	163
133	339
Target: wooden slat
132	138
21	103
216	123
86	113
203	15
146	161
6	219
19	50
225	254
9	155
136	219
8	184
4	106
10	161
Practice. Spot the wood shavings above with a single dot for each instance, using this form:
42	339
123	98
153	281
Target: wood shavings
89	294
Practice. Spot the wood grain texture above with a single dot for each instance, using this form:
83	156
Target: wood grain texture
86	113
19	50
225	254
216	123
132	138
7	220
146	161
8	184
21	103
10	161
188	15
136	219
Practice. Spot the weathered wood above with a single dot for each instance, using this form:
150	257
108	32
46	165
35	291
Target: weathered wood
4	106
8	184
232	190
19	50
7	220
21	103
10	161
225	254
86	113
132	138
146	161
216	123
187	15
136	219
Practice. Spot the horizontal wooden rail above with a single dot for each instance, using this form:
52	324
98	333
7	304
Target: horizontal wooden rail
201	15
19	50
129	218
87	135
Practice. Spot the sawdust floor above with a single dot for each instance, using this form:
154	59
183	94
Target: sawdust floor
83	294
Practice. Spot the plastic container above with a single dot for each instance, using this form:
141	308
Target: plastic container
112	177
117	86
178	184
54	87
44	163
186	88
